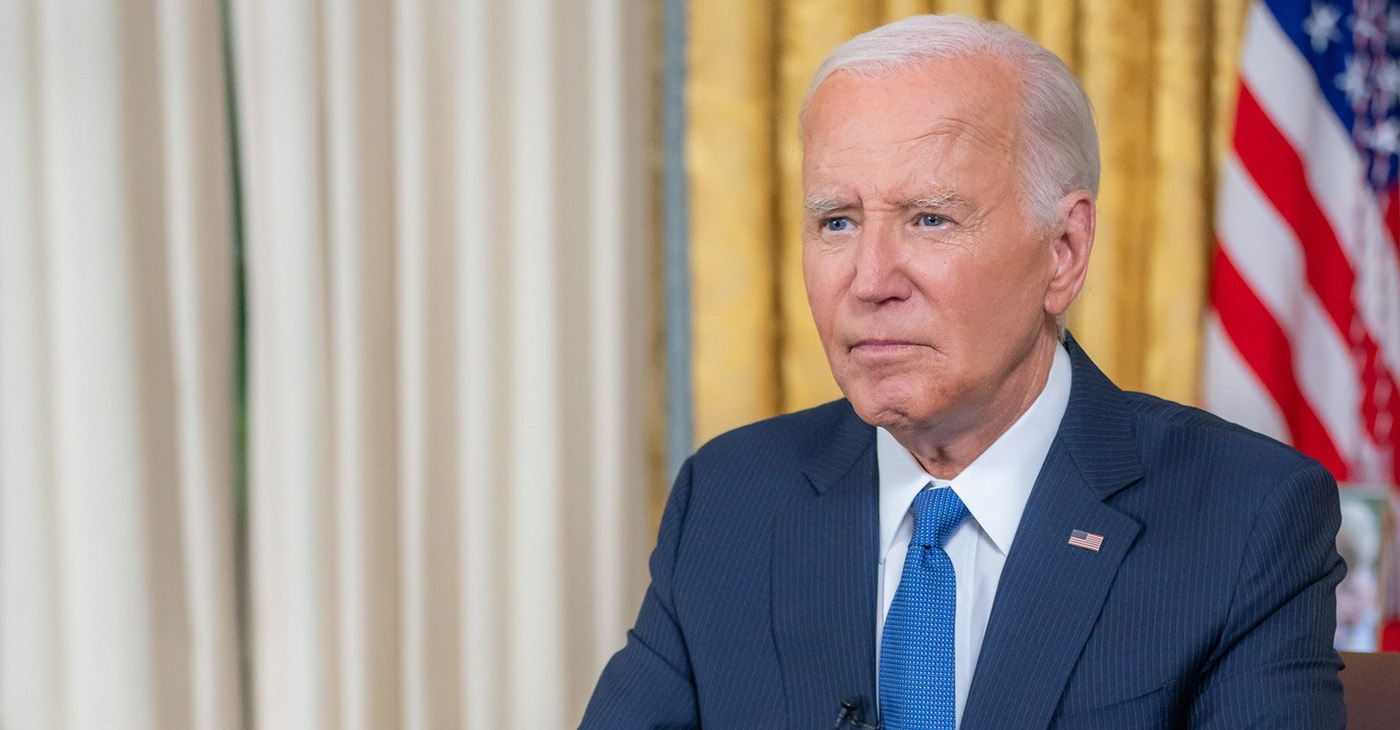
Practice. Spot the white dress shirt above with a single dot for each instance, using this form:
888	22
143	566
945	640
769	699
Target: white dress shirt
995	488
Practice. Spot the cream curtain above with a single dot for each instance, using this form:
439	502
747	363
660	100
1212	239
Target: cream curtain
116	369
1161	75
449	277
448	235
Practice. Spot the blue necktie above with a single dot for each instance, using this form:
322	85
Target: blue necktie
917	689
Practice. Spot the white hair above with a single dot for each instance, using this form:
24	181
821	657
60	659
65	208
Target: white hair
1060	145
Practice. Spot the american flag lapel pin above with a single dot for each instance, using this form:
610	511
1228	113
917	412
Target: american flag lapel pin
1086	540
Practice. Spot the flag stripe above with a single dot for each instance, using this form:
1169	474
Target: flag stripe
1235	389
1392	219
1267	350
1274	272
1278	171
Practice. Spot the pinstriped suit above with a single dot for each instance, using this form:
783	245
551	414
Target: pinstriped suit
1210	604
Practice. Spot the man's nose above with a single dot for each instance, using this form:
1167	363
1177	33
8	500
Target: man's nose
879	268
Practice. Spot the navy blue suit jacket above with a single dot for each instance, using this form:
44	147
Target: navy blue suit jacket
1210	604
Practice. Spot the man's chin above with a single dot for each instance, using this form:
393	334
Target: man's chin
889	415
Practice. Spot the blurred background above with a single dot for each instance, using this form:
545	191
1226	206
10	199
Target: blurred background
348	347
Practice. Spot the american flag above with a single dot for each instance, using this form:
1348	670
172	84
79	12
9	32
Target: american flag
1086	540
1303	340
1304	337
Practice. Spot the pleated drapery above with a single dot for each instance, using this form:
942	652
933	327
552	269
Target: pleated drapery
448	252
1161	77
447	224
117	608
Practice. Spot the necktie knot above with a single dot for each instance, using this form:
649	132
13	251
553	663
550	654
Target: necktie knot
937	512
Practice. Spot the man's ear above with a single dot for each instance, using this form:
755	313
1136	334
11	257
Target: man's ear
1069	251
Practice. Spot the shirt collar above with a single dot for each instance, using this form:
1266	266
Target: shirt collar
996	485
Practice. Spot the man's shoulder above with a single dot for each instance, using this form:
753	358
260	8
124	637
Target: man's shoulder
1182	439
768	458
1158	417
1173	438
789	436
740	479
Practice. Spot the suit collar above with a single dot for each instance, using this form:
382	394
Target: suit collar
1097	429
832	458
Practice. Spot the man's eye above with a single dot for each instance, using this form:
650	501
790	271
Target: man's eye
931	220
837	224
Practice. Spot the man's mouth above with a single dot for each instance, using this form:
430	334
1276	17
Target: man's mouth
879	346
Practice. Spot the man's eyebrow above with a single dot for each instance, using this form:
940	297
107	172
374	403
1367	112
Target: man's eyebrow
817	205
944	199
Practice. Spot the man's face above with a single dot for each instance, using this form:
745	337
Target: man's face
927	279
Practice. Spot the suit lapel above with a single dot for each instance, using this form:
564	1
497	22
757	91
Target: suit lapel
825	549
1051	592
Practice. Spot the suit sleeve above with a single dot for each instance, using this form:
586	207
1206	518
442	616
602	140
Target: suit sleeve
1275	666
649	683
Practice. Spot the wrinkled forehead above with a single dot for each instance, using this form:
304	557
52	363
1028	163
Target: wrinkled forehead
966	100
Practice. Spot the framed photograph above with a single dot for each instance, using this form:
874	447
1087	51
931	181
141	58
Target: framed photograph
1367	597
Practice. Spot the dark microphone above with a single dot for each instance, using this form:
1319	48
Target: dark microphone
848	716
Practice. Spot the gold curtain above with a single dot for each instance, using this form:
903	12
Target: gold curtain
1161	75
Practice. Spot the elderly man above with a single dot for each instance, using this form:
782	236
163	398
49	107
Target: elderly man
986	532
